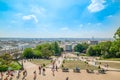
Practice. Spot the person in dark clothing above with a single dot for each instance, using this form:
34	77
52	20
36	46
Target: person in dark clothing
39	69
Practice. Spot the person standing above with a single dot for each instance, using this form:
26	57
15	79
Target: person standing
39	69
43	71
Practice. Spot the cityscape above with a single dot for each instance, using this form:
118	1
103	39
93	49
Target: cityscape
13	44
59	40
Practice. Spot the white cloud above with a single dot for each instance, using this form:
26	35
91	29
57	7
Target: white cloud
64	28
96	5
29	17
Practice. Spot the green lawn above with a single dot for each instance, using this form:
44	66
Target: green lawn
112	59
14	65
112	64
82	65
41	61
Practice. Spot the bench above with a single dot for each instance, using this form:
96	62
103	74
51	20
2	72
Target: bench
102	71
77	70
65	70
89	71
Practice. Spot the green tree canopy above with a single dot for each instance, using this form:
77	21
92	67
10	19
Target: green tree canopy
28	53
117	34
56	48
81	47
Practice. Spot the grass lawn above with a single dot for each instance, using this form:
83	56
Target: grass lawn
14	65
41	61
82	65
112	59
112	64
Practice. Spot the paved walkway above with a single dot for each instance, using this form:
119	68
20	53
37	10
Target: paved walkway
30	67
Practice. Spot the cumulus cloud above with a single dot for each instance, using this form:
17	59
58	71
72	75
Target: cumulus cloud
96	5
30	17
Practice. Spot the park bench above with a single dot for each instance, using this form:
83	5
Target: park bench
65	70
89	71
77	70
102	71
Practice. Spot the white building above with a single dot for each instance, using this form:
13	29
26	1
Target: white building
92	42
68	47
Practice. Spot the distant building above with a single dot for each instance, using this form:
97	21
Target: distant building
92	42
68	47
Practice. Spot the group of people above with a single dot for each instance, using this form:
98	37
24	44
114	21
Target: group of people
41	70
54	67
22	74
9	75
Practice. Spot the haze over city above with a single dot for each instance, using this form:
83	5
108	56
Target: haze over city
59	18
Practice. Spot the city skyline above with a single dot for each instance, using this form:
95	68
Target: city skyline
59	18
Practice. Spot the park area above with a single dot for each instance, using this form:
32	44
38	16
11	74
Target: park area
77	63
32	65
41	61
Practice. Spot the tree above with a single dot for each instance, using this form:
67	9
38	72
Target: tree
37	53
117	34
56	48
81	47
46	53
90	51
28	53
44	50
61	49
115	47
107	49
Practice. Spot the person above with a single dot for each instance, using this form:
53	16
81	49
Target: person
56	68
39	69
67	78
6	78
1	75
43	71
24	75
11	78
34	78
53	72
8	73
18	74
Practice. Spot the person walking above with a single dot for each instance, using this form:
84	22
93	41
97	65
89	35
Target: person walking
35	75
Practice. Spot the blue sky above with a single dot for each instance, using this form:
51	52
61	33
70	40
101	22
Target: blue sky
59	18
